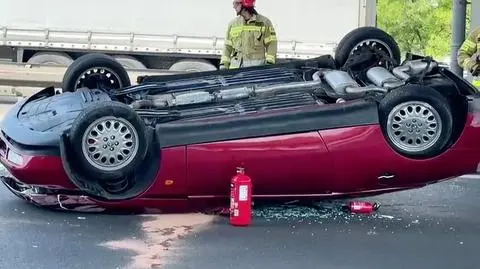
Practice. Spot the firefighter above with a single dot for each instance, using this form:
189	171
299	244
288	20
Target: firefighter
250	39
468	55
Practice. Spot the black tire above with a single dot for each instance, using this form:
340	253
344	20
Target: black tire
192	65
360	35
98	80
425	97
100	112
51	58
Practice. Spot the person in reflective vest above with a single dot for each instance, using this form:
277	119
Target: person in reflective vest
250	39
468	55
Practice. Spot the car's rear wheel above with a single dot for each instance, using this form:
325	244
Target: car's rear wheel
367	40
110	141
417	121
95	71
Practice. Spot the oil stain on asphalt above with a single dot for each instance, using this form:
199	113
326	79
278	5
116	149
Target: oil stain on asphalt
160	232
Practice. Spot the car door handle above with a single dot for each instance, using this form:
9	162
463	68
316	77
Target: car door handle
386	176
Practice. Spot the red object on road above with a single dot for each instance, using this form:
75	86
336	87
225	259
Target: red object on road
241	199
363	207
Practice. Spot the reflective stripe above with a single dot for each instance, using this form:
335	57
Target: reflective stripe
246	28
476	82
237	30
469	45
228	43
270	58
235	63
225	59
466	62
270	39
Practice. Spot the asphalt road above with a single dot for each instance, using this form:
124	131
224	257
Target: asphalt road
434	227
36	238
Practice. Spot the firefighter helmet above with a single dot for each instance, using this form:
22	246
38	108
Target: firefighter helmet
248	3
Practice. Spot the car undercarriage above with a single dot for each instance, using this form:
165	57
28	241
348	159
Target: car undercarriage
315	82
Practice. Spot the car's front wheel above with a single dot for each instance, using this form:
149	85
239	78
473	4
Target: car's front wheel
110	140
417	121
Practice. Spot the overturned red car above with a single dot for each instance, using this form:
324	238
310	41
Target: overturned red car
360	123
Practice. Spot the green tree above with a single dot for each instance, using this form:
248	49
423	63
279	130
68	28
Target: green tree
419	26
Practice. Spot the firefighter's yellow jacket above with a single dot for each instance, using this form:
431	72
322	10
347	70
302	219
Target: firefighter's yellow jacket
249	43
467	54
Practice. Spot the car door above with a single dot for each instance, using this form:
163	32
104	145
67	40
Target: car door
283	165
363	161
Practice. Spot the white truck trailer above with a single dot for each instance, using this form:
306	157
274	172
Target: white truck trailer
475	15
180	35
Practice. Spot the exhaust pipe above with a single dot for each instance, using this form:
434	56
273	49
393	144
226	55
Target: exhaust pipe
237	93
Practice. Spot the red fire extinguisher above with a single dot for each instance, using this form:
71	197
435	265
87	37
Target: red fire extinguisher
363	207
241	199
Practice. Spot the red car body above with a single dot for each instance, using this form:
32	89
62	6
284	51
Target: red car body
335	163
305	130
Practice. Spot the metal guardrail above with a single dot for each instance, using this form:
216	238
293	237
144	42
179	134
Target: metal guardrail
58	67
20	80
35	74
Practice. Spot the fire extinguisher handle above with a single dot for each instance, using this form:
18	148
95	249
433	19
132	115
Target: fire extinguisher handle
240	170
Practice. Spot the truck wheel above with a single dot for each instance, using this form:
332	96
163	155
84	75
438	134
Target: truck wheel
417	121
193	65
109	139
51	58
369	39
129	62
95	71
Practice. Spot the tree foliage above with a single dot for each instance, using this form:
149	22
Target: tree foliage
419	26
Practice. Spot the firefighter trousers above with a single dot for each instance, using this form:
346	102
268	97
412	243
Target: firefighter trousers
239	63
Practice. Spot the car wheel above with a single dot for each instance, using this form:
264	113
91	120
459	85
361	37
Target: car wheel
95	71
417	121
192	65
366	39
109	139
51	58
129	62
